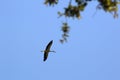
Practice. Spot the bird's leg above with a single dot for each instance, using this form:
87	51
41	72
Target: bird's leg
53	51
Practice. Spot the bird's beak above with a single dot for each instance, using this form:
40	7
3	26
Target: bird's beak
41	51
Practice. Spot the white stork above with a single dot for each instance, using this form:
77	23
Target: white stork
47	50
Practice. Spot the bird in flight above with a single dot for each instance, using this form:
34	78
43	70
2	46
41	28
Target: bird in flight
47	50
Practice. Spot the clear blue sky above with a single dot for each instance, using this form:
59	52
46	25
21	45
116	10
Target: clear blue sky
26	26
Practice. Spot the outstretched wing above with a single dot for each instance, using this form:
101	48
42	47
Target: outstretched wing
49	45
45	56
47	50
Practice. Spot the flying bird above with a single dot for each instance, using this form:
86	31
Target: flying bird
47	50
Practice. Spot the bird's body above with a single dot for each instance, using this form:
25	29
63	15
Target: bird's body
47	50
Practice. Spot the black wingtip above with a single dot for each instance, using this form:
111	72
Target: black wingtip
51	40
44	60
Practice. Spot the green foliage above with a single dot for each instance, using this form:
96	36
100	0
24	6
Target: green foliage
65	28
74	11
109	6
51	2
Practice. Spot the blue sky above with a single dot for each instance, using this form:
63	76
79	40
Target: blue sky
26	26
